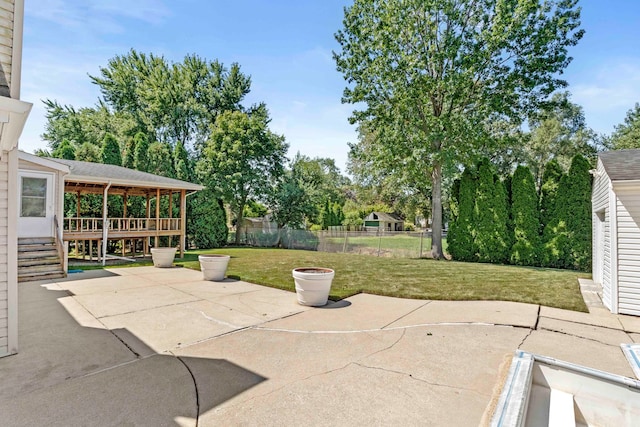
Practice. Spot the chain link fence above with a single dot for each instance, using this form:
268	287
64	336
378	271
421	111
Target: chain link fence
401	244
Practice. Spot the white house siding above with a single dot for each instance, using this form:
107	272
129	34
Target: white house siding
606	262
6	45
600	203
4	282
628	215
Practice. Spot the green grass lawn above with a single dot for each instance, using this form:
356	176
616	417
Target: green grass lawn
407	278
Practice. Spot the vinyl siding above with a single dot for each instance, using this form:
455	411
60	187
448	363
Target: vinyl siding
6	45
606	262
600	202
628	209
4	313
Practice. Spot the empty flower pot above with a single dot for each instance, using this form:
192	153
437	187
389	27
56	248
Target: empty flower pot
163	257
313	285
213	266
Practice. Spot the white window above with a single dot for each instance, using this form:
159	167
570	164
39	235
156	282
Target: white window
33	201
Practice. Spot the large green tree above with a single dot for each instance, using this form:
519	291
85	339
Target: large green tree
627	134
557	132
290	203
321	180
172	102
430	73
242	159
379	178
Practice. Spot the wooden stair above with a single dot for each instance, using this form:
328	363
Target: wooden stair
38	259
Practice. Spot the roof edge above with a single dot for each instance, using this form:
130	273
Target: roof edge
43	161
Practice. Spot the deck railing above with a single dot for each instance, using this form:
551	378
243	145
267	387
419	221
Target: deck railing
78	225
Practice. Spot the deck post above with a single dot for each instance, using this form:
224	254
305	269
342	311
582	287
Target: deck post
183	220
147	239
170	215
105	223
155	241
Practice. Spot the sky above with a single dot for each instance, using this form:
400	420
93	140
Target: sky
286	47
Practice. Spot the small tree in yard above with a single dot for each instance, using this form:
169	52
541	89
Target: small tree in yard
290	204
526	222
460	239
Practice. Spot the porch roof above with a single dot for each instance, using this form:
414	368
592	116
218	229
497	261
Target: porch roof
88	177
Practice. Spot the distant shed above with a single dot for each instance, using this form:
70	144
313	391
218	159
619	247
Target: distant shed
616	230
383	221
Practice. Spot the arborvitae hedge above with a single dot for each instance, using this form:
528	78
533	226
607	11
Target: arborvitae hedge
526	220
556	235
490	216
110	152
579	215
548	191
207	221
461	231
502	237
485	227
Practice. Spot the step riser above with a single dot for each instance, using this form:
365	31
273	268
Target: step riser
36	248
38	259
39	254
22	279
39	269
36	240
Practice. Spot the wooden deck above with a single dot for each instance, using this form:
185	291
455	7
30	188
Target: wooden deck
120	228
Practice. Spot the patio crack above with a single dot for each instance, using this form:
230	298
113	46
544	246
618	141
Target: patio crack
578	336
525	338
195	386
436	384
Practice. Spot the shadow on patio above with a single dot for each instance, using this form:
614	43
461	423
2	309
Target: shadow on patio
72	371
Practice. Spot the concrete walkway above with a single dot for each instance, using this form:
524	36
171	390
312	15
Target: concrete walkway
145	346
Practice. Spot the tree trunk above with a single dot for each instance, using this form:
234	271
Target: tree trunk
239	218
436	212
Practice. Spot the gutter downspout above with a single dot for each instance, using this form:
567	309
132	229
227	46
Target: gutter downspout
105	224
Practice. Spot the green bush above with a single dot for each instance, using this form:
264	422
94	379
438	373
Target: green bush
525	217
409	227
207	221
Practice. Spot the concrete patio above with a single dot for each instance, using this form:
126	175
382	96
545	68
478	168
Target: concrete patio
161	347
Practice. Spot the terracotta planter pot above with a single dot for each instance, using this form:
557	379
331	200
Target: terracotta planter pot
213	266
163	257
313	285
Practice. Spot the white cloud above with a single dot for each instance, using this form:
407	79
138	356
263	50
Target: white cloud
89	16
607	92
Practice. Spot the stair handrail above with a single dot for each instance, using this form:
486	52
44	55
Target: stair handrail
59	239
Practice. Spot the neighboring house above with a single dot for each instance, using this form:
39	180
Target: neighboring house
381	221
13	115
616	230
